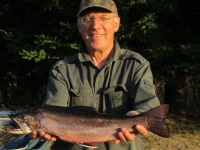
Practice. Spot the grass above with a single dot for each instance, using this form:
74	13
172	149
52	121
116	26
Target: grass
185	135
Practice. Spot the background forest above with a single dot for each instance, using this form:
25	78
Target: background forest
34	34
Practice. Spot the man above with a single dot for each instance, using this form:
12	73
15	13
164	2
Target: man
103	76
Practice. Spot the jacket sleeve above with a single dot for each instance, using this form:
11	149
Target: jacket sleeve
143	91
57	89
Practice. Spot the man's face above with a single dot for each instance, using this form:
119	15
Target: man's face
98	33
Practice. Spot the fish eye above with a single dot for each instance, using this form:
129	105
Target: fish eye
22	116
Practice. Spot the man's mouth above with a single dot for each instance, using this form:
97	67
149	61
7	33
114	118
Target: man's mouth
96	35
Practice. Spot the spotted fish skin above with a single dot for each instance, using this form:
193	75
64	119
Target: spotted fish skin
82	124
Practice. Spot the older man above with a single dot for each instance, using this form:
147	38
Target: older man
103	76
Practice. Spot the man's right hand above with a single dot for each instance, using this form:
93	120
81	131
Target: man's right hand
42	136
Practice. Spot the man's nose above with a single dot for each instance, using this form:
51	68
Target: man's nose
96	22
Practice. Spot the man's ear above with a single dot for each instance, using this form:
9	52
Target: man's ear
79	25
117	23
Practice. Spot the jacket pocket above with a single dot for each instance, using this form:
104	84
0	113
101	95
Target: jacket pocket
117	100
81	97
149	85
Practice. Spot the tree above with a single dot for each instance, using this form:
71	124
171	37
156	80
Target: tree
176	61
34	34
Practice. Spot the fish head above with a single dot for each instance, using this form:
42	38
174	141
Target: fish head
28	121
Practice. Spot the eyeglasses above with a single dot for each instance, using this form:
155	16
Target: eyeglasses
87	20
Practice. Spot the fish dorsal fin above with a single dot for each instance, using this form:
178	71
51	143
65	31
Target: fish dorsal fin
86	109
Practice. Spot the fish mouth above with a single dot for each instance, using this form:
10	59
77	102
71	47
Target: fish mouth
24	129
15	131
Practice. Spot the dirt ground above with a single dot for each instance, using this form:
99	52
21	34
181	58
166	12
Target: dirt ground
185	135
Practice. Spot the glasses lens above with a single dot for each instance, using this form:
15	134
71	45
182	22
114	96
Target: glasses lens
103	18
87	20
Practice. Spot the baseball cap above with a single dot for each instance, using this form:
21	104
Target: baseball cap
105	4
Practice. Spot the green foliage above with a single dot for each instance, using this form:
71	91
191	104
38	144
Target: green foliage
34	35
45	46
140	22
175	64
37	56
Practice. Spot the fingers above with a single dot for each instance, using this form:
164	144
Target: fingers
124	135
49	138
127	135
33	135
42	136
132	113
116	141
142	130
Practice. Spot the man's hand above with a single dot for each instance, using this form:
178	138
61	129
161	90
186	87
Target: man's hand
124	135
42	136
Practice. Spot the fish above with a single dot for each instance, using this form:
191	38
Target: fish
82	124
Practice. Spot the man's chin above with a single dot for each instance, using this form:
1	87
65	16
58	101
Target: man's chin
95	47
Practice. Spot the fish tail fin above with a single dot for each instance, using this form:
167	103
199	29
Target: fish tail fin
157	116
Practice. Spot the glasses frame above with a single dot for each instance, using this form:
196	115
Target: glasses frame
92	17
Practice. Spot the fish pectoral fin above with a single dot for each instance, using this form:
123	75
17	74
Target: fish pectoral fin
89	145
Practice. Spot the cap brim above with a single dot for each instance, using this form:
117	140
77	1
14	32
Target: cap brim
92	7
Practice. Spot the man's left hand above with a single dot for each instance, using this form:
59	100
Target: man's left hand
124	135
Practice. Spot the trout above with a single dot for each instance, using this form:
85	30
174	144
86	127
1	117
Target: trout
82	124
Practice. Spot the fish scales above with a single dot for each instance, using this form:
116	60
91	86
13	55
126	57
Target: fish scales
84	124
83	132
97	127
